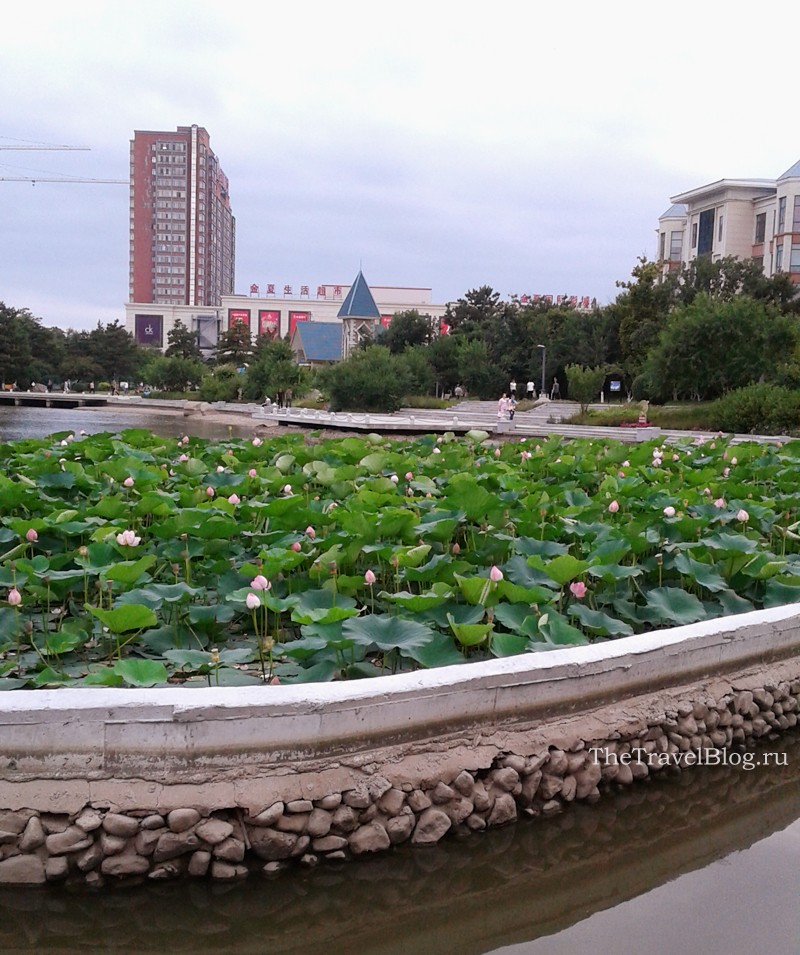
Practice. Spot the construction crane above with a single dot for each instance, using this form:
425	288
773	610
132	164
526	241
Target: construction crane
30	146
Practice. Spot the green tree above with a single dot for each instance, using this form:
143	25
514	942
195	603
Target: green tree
369	380
442	354
183	343
471	314
711	347
418	370
234	347
172	374
406	330
28	351
584	384
273	369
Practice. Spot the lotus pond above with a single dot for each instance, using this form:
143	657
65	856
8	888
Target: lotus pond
136	560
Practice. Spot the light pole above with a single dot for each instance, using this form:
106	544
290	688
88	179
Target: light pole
544	355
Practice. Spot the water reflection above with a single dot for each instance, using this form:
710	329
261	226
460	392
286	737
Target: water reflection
511	887
23	422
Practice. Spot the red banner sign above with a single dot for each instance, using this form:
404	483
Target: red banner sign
269	323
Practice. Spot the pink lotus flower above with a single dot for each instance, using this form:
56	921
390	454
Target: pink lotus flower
209	491
669	511
253	602
296	547
287	489
257	442
626	464
183	457
436	451
220	469
726	472
128	482
185	439
14	597
369	578
31	536
394	478
497	452
578	589
734	461
252	473
456	548
128	539
310	532
229	451
720	502
495	574
234	499
620	474
260	582
742	515
706	490
409	476
613	507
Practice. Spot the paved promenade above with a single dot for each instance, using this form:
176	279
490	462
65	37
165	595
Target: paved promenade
545	418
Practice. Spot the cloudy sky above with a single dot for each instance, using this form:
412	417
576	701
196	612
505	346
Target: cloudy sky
437	144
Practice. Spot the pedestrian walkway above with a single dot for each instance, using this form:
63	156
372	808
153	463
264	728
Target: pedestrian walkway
545	418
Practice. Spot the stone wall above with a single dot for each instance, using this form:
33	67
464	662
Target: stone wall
100	786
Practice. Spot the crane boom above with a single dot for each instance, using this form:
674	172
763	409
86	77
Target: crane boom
35	179
84	149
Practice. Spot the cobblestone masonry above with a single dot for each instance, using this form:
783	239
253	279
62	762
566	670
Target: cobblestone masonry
536	770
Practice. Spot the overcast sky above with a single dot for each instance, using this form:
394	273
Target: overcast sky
437	144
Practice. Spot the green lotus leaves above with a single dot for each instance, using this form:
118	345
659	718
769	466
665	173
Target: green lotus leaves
366	570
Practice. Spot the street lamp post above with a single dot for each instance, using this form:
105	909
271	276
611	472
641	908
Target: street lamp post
544	355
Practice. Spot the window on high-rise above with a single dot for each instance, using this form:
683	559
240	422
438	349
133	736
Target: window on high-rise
794	258
675	246
662	245
694	235
761	227
781	214
779	257
796	215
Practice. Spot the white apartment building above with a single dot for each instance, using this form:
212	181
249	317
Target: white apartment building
744	218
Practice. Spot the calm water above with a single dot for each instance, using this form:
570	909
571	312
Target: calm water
38	422
706	862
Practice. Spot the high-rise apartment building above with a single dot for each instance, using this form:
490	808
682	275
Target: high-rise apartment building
182	230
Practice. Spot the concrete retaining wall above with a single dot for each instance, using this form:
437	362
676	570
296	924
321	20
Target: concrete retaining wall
104	784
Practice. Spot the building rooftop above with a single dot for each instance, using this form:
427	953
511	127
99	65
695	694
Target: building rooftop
359	302
675	211
319	341
793	172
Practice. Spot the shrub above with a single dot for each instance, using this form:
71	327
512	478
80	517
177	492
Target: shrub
370	380
222	385
758	409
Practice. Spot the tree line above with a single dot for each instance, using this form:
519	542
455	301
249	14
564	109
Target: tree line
693	333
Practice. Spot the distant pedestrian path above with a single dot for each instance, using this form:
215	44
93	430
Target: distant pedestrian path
545	418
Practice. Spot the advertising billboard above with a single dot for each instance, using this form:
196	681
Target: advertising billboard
294	318
149	330
269	323
238	316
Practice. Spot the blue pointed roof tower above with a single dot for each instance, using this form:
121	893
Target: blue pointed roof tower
359	302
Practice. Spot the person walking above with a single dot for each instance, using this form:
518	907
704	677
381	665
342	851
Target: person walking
555	391
502	408
530	391
513	388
